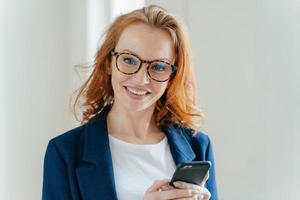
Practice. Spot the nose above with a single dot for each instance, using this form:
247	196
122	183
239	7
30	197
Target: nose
141	76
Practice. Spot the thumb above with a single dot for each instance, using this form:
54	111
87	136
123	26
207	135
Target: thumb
157	184
205	179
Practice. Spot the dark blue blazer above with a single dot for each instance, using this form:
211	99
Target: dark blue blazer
78	163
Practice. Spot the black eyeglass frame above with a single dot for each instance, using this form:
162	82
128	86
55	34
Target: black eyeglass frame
117	54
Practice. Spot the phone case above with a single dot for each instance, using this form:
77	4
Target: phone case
193	172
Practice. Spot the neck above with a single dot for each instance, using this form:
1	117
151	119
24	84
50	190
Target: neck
132	126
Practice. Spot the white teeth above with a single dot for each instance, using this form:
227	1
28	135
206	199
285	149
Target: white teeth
137	92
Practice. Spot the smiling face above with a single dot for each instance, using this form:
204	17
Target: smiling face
138	91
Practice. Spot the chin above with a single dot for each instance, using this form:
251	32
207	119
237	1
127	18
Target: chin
136	107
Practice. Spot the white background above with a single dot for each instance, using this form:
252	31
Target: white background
247	59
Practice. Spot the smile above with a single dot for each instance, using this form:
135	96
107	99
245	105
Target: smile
137	92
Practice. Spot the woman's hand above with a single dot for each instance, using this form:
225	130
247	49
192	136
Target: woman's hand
203	194
156	193
162	190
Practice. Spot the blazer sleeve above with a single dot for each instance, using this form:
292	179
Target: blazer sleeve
211	183
55	179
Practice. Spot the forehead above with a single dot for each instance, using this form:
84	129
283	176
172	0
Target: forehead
147	42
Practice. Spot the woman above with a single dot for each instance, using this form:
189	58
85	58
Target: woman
140	118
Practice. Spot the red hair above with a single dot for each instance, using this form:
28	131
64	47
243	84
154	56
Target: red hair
178	105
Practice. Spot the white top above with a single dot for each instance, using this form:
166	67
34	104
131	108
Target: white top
137	166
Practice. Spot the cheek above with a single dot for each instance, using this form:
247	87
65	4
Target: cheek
160	88
118	80
115	81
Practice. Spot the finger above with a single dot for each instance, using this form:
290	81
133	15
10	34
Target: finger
205	195
200	197
205	179
184	185
189	198
194	197
176	193
167	187
200	190
157	184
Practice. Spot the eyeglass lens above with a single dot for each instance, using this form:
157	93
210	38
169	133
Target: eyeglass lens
158	70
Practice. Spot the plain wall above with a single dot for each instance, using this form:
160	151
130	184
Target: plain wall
247	59
40	42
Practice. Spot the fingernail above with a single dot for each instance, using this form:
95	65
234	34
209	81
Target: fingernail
164	187
177	183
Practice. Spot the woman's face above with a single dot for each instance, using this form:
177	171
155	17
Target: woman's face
139	92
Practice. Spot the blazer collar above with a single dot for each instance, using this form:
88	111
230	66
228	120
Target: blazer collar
96	140
180	147
95	174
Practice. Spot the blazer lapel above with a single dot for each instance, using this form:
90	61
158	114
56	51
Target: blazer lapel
180	147
95	174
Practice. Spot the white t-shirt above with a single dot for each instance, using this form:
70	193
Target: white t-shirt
137	166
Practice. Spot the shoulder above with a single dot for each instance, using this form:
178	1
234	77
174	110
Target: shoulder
69	137
75	134
71	145
67	145
200	142
199	137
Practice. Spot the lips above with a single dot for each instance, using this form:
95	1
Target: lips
137	91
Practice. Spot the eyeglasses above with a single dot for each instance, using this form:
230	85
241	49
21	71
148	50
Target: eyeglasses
129	64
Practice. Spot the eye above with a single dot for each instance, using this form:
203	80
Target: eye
159	67
129	60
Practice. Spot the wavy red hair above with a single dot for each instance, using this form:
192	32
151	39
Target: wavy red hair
178	105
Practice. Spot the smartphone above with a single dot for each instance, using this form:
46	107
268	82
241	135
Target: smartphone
192	172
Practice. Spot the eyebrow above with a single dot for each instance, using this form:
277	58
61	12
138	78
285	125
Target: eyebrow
140	56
